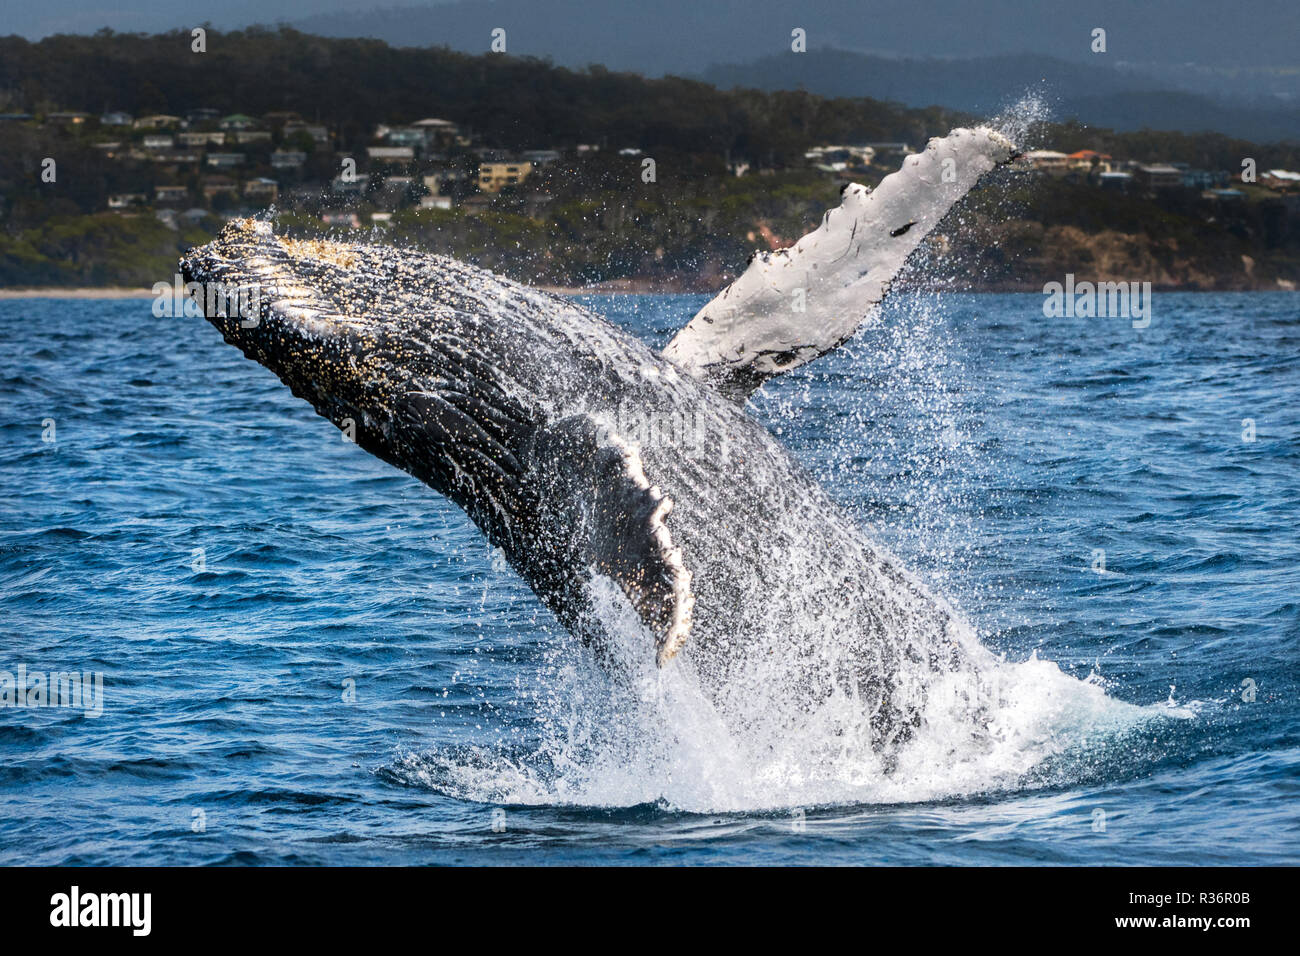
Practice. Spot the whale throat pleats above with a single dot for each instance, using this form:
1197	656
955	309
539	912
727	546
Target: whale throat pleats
613	519
790	306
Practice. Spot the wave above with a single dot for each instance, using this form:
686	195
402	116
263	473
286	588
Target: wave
650	737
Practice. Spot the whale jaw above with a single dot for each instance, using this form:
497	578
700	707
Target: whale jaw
468	382
402	385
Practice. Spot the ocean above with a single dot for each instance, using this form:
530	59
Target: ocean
304	656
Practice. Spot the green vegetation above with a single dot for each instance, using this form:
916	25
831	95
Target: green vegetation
586	218
1025	233
508	102
94	250
673	235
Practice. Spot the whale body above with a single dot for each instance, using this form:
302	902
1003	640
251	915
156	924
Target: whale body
605	471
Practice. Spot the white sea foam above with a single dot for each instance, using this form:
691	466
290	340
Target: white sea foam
633	734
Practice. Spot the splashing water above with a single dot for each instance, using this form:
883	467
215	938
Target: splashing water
631	734
1021	120
606	741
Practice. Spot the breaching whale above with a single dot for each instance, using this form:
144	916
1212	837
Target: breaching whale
513	403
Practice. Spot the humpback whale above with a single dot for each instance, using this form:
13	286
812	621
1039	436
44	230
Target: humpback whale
512	402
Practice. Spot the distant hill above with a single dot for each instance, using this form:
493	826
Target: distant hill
1121	97
506	102
969	63
514	102
685	36
1185	65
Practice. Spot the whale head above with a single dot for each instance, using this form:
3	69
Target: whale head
411	363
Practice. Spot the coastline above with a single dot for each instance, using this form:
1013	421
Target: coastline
631	287
76	292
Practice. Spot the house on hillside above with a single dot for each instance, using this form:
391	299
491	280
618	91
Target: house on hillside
287	159
201	139
440	133
1280	180
836	159
890	153
400	136
262	189
126	200
493	177
444	182
1088	161
214	186
157	121
542	157
391	154
1202	179
237	122
1158	176
1115	180
175	158
1047	161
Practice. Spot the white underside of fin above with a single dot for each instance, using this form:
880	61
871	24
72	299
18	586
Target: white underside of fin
790	306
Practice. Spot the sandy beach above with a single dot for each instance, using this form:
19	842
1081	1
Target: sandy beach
48	292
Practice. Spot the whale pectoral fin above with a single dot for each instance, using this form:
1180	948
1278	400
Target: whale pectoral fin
790	306
608	514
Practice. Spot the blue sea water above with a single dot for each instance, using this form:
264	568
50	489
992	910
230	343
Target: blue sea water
309	657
